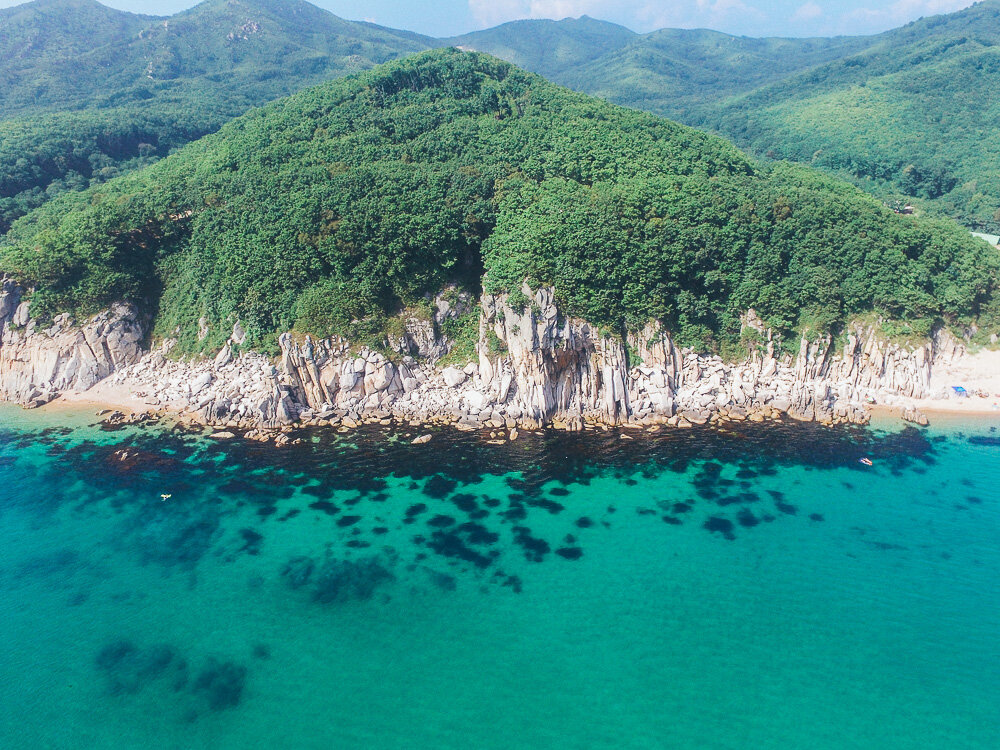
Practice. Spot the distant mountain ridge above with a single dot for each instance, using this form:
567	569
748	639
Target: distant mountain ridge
87	92
907	114
69	54
667	71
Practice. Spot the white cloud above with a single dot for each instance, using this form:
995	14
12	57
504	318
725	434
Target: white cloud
499	11
808	12
733	16
903	11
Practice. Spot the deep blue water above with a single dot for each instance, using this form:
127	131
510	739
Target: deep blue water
749	588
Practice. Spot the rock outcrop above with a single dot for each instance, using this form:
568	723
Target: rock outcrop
37	362
535	366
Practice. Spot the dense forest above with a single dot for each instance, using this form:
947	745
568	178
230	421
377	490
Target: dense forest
908	115
333	209
87	92
913	115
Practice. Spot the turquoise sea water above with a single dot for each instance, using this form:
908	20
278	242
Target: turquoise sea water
756	588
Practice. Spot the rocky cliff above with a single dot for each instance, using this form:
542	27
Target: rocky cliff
37	362
535	365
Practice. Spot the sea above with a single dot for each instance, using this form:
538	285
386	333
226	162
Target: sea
748	586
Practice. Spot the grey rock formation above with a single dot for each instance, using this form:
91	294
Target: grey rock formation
534	366
37	364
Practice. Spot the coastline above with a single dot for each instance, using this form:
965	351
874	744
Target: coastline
111	397
539	370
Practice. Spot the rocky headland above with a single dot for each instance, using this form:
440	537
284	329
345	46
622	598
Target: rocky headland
535	367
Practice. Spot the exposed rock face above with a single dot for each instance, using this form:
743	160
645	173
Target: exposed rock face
535	365
37	364
553	365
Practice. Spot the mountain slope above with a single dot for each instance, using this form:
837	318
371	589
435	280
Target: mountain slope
92	56
335	208
553	49
37	34
673	72
667	72
93	92
908	115
915	114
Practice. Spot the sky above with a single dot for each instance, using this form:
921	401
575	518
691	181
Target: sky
441	18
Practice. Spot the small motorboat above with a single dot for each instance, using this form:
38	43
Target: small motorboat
866	461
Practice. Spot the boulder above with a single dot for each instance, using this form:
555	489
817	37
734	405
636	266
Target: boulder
223	358
201	383
454	377
476	399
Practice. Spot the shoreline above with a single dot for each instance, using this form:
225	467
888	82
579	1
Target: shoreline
105	399
546	374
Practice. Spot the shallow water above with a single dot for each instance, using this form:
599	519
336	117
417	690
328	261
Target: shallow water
697	589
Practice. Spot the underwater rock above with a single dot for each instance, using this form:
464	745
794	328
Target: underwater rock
346	580
221	683
298	571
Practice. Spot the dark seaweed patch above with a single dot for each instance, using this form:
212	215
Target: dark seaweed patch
325	506
570	553
252	541
535	549
346	580
128	669
787	508
993	442
550	505
722	526
221	683
441	522
460	544
439	487
443	581
465	502
298	571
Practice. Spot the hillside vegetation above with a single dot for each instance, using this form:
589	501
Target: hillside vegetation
87	92
331	210
907	115
670	72
914	114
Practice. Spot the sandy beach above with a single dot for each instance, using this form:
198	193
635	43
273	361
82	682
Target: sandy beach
976	373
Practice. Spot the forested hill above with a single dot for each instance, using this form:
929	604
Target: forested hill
41	40
909	115
88	92
553	49
334	209
671	72
71	54
915	114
